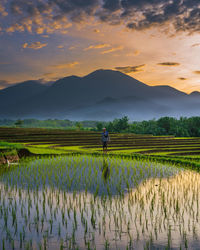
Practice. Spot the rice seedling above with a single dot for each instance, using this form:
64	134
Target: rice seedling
98	203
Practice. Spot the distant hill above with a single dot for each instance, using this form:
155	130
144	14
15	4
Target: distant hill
101	95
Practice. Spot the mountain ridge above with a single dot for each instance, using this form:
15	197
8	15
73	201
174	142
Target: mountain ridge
100	94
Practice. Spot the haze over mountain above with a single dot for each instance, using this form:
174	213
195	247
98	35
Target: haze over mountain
101	95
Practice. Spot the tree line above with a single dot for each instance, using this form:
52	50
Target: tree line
182	127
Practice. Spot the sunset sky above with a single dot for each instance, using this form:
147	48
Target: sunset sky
154	41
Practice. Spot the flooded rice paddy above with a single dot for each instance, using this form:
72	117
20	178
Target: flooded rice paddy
85	202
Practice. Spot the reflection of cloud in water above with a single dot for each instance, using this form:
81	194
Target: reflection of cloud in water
170	208
158	212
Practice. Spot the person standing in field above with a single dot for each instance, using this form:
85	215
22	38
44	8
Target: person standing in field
105	139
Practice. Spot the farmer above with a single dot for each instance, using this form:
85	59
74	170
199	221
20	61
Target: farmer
105	139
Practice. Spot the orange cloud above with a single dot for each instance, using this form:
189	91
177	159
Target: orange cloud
112	50
134	53
66	65
72	47
35	45
3	12
15	27
195	44
131	69
98	46
41	23
96	31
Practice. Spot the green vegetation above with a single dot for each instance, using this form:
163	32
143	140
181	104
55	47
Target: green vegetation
19	123
7	148
50	123
183	127
69	195
57	141
87	202
9	145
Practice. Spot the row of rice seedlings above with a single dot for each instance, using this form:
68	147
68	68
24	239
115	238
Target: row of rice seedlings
95	203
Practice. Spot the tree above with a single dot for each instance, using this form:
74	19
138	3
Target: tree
99	126
18	123
166	123
79	125
120	125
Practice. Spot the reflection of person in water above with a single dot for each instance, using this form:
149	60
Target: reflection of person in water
105	169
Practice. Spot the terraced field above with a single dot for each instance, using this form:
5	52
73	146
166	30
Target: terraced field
143	194
61	141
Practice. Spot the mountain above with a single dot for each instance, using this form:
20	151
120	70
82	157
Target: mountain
19	92
195	94
102	94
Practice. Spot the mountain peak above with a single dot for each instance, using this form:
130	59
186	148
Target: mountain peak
195	94
106	73
68	79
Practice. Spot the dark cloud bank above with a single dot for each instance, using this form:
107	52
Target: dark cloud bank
180	15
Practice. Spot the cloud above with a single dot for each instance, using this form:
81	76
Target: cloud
196	72
96	31
168	64
50	77
112	50
182	78
97	46
179	15
72	47
4	84
38	17
66	65
60	46
3	11
131	69
35	45
136	52
195	45
57	15
4	63
48	74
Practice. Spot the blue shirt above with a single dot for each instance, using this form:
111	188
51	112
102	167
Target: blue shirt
105	137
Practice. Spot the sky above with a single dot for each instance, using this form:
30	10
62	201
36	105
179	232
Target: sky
154	41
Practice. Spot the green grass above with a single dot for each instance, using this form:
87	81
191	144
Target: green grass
7	148
42	150
9	145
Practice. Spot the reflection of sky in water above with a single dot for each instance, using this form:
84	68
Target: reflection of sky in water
159	212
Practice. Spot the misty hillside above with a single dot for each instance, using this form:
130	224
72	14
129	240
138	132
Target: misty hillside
103	94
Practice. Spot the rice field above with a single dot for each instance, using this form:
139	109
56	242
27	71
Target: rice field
61	141
87	202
